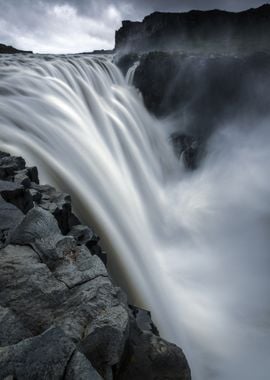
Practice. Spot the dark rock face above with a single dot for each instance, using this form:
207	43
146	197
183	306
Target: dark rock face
198	32
201	94
126	61
60	315
4	49
148	356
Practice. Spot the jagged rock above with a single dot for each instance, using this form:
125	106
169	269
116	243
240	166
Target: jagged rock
28	288
9	165
49	356
85	235
34	293
17	195
10	218
51	284
198	32
26	176
79	368
143	319
71	264
59	204
149	357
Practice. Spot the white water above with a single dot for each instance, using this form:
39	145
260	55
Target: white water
193	247
131	72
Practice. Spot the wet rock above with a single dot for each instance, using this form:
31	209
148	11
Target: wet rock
26	176
49	356
71	264
9	165
148	356
59	311
188	149
124	62
28	288
58	204
197	32
17	195
85	235
10	218
143	320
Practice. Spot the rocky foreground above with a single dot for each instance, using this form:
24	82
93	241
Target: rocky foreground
61	317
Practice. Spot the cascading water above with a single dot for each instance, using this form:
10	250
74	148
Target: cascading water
131	72
193	247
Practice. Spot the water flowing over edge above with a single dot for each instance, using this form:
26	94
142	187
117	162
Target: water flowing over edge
192	247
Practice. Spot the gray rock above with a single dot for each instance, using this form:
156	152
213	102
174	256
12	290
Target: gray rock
92	314
9	165
143	320
71	264
80	368
57	299
11	328
26	176
58	204
17	195
28	288
106	338
49	356
147	356
84	235
10	218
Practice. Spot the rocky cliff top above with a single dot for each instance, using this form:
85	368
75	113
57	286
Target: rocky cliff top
198	31
5	49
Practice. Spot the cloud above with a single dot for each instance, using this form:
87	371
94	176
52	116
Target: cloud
70	26
57	27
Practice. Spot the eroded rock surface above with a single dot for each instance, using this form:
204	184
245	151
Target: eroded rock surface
61	317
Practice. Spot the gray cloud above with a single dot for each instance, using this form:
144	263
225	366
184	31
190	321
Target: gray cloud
62	26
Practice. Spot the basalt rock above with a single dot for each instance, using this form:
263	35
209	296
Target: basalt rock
49	356
61	317
201	94
213	31
148	356
5	49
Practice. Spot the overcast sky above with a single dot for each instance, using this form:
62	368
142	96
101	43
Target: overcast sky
70	26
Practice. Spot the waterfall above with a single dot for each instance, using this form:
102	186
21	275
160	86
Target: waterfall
193	247
131	72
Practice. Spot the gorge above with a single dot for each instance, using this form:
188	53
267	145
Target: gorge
186	234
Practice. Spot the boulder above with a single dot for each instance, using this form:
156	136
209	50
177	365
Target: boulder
58	204
49	356
17	195
148	356
10	218
9	165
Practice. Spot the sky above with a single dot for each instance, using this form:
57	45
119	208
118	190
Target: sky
72	26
